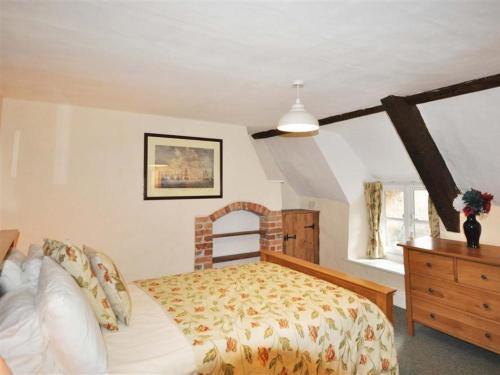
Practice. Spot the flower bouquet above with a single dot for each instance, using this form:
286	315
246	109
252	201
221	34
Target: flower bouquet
472	203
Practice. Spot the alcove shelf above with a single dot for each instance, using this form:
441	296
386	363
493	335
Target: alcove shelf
240	256
232	234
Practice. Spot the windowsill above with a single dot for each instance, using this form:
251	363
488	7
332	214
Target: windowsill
382	264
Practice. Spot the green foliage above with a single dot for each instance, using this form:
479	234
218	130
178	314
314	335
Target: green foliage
474	200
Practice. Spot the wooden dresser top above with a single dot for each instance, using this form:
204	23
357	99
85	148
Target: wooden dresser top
488	254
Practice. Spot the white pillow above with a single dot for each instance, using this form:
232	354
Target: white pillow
16	256
19	271
10	276
75	339
22	343
11	273
35	250
31	271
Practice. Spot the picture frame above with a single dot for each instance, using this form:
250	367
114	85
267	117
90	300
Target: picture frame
182	167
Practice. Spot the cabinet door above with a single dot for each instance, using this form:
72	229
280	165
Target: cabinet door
290	236
300	235
304	246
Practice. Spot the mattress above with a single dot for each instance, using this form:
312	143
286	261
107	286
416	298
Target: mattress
150	344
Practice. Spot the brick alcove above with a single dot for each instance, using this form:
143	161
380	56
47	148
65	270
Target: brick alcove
270	226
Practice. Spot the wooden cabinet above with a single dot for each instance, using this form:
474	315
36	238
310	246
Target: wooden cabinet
454	289
301	234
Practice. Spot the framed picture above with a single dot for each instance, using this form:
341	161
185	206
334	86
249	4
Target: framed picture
178	167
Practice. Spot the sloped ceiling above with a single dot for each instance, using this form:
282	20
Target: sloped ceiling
376	143
305	168
466	130
234	61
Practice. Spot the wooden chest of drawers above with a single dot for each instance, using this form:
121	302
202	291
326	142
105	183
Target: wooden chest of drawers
454	289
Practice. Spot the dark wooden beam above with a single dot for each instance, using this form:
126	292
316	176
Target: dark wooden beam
426	157
267	134
462	88
351	115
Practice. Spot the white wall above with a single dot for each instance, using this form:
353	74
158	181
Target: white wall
80	176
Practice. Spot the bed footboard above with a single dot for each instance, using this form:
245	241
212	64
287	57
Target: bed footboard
378	294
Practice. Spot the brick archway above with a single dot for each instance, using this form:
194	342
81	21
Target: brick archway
270	226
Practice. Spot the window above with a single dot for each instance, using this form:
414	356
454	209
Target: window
404	216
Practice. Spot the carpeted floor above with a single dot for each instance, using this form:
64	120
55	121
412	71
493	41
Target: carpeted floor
434	353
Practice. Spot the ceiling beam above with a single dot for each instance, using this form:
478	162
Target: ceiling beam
462	88
351	115
426	157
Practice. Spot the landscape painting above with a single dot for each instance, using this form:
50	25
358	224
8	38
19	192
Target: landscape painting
180	167
183	167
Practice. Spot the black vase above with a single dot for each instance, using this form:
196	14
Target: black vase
472	230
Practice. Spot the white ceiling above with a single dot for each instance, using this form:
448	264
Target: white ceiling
234	61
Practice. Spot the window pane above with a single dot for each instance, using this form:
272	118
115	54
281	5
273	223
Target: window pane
421	205
394	204
395	232
422	229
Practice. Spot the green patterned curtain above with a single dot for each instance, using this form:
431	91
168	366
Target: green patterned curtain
373	197
433	220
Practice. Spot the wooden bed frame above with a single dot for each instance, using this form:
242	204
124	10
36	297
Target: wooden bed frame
8	240
378	294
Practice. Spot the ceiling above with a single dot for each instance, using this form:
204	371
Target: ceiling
234	62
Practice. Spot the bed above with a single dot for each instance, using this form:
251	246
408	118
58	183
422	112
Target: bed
279	316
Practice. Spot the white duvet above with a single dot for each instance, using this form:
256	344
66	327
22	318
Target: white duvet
150	344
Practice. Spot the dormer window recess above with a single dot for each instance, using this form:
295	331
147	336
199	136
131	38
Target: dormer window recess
404	216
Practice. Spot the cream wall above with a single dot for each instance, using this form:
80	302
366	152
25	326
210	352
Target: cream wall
79	176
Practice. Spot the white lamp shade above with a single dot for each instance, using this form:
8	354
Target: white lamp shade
298	120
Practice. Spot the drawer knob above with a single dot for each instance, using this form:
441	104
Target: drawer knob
430	290
432	316
486	306
428	264
484	277
487	335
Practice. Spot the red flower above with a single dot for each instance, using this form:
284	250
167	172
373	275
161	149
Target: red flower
369	334
487	197
313	333
353	313
263	355
385	364
230	345
330	354
469	211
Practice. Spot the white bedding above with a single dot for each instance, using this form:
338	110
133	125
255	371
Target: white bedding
151	343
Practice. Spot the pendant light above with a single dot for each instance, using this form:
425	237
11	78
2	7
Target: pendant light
298	120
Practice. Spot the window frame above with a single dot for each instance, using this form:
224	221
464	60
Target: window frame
409	220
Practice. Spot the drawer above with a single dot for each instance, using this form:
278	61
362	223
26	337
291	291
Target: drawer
481	303
471	328
432	265
479	275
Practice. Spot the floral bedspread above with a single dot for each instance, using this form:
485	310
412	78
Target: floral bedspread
266	319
